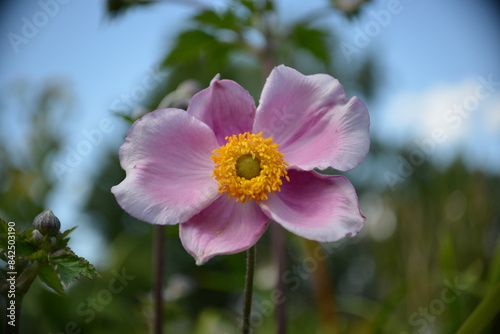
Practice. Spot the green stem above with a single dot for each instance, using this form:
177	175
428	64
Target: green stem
278	242
158	255
247	306
483	314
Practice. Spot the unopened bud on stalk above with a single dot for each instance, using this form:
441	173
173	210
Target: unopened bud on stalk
37	235
47	223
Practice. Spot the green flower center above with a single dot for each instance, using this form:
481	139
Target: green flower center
248	167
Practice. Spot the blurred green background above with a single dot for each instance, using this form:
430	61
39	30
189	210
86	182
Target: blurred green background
429	252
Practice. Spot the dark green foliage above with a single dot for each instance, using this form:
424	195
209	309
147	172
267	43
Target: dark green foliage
115	8
49	257
313	40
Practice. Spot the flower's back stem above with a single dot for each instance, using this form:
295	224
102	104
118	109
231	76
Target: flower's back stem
247	306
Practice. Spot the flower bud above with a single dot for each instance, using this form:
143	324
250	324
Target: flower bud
36	235
47	223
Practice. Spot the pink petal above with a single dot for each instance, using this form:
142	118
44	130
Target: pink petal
224	106
317	207
225	227
167	159
309	117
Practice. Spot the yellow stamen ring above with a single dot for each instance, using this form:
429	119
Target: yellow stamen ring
249	167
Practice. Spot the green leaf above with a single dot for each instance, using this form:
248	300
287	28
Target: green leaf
49	276
118	7
40	255
269	5
249	4
65	233
226	20
47	257
61	240
3	228
71	267
22	241
127	118
3	239
190	45
494	275
313	40
483	314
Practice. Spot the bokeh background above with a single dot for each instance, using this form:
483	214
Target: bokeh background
74	74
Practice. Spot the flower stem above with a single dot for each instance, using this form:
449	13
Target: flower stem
158	279
278	241
247	306
323	290
484	314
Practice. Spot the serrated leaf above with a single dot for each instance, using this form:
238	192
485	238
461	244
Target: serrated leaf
50	277
61	240
71	267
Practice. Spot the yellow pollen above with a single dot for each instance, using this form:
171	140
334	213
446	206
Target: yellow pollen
249	167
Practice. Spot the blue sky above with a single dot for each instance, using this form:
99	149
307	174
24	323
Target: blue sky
432	56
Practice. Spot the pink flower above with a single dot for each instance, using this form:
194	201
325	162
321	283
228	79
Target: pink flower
223	169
